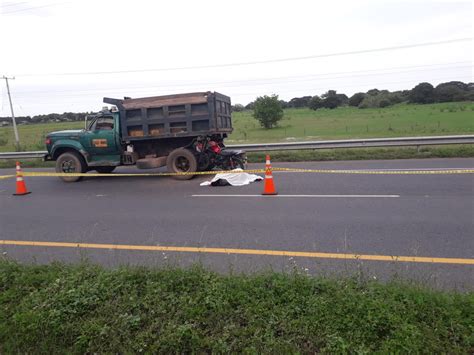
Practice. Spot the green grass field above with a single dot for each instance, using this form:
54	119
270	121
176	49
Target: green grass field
348	122
32	136
305	124
62	309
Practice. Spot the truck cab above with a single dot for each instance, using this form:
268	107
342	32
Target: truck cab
97	147
101	139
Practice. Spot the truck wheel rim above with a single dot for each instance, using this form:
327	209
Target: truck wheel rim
182	164
68	166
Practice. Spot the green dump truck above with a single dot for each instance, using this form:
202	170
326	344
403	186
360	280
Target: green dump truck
148	132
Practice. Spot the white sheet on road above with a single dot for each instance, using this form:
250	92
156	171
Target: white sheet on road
234	179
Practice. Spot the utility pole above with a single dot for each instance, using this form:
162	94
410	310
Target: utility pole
17	140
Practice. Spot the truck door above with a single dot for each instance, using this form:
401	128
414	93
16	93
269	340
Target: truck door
102	137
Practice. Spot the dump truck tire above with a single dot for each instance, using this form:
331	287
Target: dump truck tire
182	160
70	162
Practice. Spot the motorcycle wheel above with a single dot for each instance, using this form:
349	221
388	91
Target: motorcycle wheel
204	162
240	163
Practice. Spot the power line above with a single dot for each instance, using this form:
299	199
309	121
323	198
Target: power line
306	77
14	4
261	92
280	60
32	8
380	72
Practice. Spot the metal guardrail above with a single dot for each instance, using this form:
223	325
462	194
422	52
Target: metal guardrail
357	143
348	143
24	155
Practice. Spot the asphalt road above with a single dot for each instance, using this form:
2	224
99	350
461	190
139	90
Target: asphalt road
393	215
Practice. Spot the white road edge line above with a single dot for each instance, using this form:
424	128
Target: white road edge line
321	196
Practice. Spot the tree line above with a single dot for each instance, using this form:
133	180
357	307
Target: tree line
422	93
51	117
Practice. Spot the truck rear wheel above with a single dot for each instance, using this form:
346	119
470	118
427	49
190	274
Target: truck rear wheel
181	160
70	162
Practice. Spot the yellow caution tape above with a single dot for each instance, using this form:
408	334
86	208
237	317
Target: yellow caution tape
6	176
379	172
256	171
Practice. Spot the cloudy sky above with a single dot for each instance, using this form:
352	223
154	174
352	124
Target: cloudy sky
68	55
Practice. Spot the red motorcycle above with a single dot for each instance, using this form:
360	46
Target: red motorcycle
212	154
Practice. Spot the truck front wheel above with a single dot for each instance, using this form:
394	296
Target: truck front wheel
181	160
70	162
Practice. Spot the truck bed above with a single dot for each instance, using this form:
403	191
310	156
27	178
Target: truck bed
181	115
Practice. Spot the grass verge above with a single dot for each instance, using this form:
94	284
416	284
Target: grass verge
459	151
82	308
400	120
26	163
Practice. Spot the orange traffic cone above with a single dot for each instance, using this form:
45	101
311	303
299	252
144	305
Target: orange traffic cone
269	187
20	183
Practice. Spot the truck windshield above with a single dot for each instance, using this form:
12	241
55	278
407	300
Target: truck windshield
91	122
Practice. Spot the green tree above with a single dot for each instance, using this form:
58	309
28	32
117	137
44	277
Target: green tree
267	110
238	108
423	93
451	91
332	99
250	105
298	102
381	98
356	99
315	103
373	92
284	104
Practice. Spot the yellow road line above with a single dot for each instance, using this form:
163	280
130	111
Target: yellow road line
412	259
